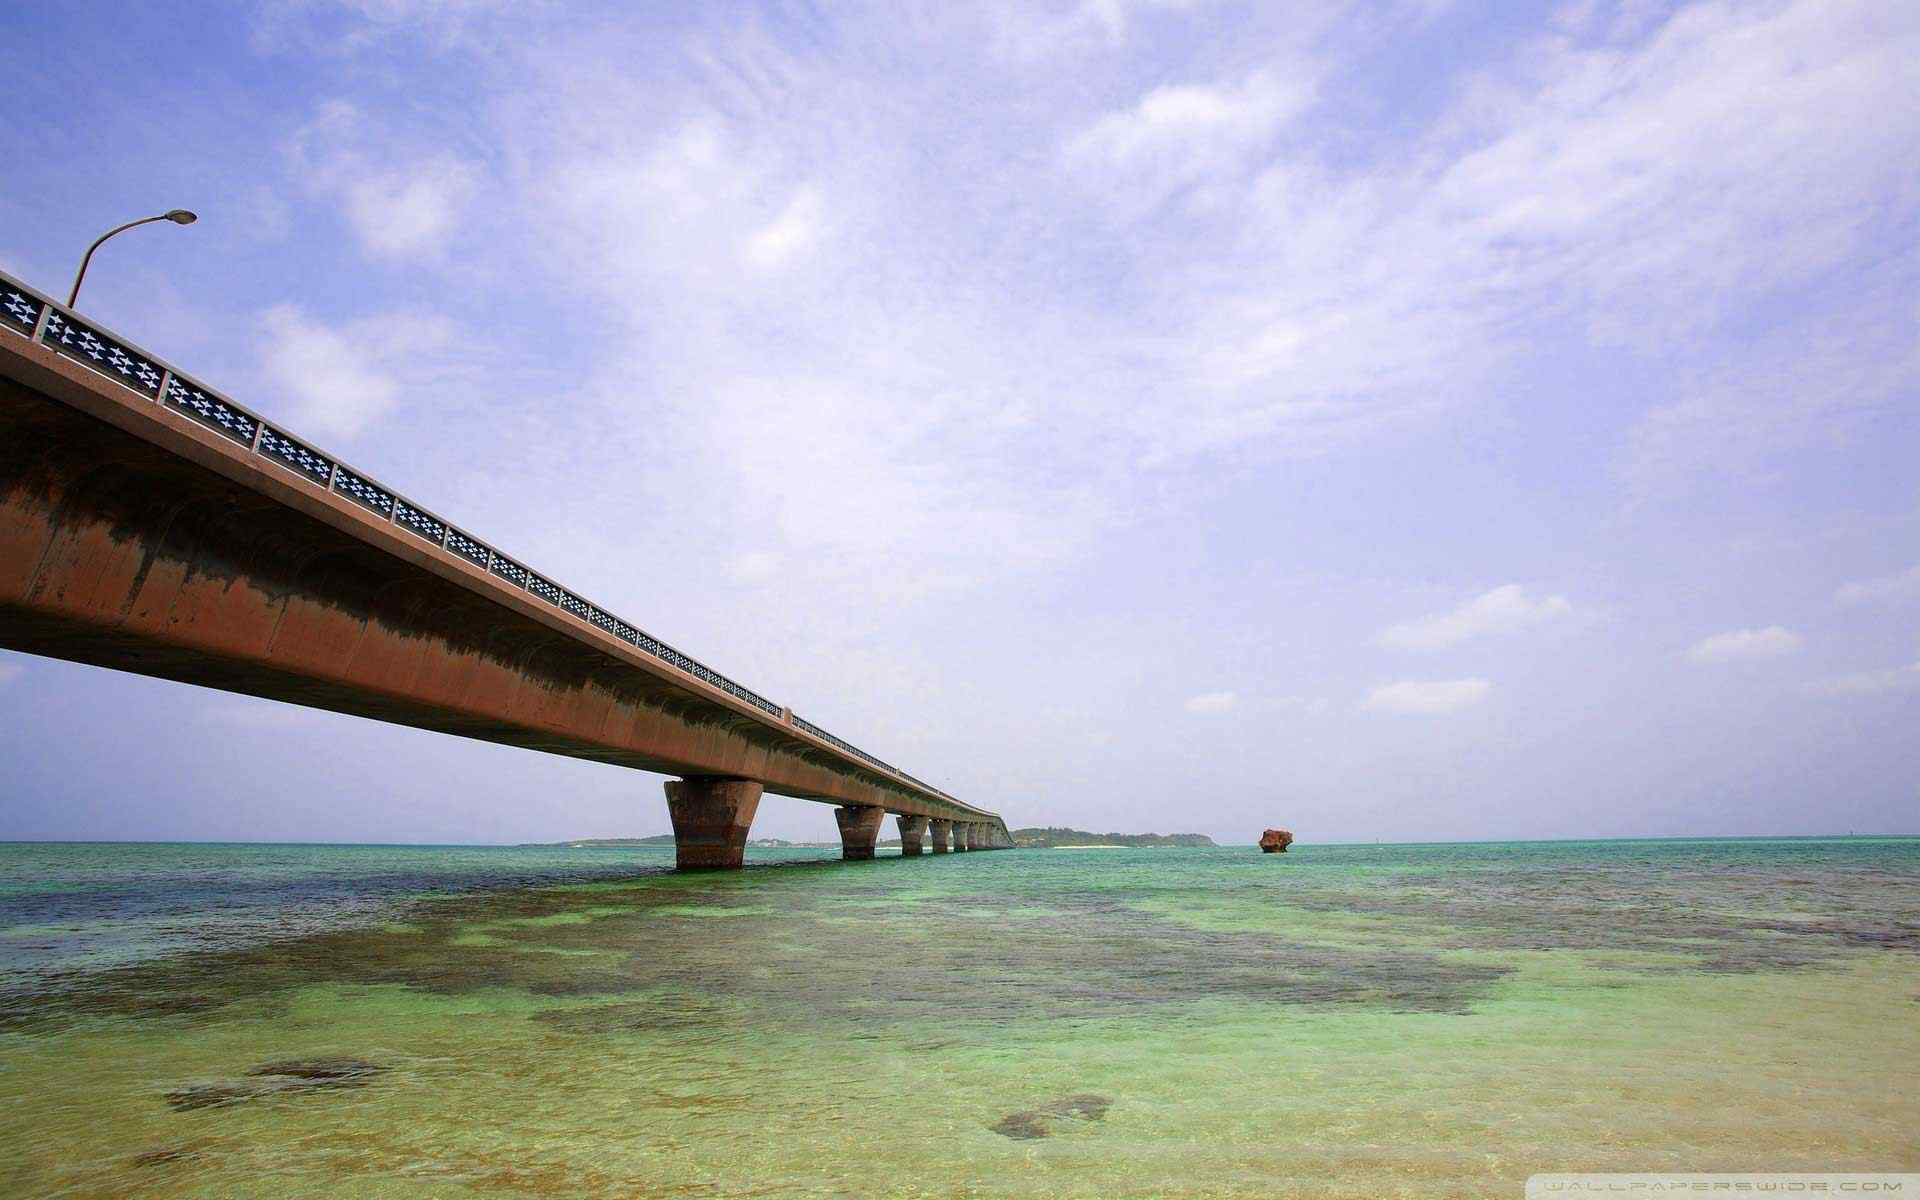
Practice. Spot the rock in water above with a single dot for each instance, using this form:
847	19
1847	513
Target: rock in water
321	1072
1039	1122
1023	1126
288	1076
213	1095
1275	841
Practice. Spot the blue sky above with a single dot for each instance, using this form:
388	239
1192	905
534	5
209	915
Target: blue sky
1401	420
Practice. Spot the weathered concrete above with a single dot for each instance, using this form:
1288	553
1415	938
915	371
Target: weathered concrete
963	835
913	834
133	537
859	830
710	820
941	831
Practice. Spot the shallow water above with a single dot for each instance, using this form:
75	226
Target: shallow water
1339	1021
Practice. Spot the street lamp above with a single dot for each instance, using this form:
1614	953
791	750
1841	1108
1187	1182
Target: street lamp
178	216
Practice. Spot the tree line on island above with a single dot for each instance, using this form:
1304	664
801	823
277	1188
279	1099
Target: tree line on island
1055	835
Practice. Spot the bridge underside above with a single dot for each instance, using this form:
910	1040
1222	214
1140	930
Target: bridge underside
131	538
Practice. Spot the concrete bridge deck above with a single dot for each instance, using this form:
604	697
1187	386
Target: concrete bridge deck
150	524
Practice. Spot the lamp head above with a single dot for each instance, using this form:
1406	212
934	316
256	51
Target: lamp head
181	216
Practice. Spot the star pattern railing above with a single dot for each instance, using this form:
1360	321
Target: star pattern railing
29	313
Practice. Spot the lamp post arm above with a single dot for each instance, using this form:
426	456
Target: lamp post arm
88	257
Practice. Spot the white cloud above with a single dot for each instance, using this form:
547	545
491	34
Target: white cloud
755	566
1900	588
843	471
698	213
1745	645
1579	183
407	212
1502	610
342	379
1114	16
400	203
1595	137
10	672
1316	299
1811	387
788	235
1181	115
1427	697
1212	702
1179	133
865	421
1027	32
1868	683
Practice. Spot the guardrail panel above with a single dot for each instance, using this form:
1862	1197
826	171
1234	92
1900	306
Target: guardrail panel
20	311
298	458
411	519
76	339
363	492
210	409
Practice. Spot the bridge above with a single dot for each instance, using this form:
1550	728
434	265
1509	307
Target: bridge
151	524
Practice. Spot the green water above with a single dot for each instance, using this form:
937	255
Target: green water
1339	1021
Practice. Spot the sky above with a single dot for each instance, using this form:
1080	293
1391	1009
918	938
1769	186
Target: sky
1411	420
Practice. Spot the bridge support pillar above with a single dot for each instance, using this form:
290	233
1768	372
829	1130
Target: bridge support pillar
941	832
710	819
962	835
913	834
859	829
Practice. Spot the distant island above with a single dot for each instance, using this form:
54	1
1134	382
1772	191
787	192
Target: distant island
658	839
1054	836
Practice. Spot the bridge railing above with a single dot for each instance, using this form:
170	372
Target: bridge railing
32	314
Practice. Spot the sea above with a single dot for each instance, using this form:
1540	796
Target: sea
1335	1021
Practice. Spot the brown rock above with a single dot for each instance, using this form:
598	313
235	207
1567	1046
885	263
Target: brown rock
1039	1122
1275	841
163	1155
215	1095
321	1072
283	1077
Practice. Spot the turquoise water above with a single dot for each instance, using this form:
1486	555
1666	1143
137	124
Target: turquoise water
82	905
1434	1020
